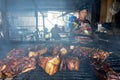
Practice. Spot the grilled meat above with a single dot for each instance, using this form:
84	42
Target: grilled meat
43	60
49	64
52	66
16	53
13	67
69	63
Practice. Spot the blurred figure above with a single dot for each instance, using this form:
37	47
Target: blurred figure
55	32
47	34
63	29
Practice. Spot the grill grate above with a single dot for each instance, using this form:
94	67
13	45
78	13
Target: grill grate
85	73
114	62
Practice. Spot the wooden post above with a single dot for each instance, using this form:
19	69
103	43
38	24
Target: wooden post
105	15
103	11
109	15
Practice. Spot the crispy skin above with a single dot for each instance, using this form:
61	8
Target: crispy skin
52	66
43	60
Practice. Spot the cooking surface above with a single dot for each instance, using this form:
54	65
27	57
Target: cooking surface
85	71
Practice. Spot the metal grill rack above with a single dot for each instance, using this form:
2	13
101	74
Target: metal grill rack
85	73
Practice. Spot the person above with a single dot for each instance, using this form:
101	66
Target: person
82	28
55	32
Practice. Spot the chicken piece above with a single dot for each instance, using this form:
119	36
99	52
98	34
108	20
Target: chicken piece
8	71
63	65
2	65
98	59
100	56
52	66
70	63
43	60
73	64
5	68
63	51
104	56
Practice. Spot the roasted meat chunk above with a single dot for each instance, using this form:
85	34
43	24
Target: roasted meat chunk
70	63
13	67
49	64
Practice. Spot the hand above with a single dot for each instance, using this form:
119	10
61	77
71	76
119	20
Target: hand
83	28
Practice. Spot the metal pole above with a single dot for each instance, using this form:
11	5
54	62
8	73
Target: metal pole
37	30
43	23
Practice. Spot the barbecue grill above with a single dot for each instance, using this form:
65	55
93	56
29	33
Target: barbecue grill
85	72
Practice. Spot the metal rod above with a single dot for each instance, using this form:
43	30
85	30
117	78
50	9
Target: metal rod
37	30
43	17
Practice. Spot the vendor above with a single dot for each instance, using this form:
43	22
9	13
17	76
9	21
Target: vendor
82	29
